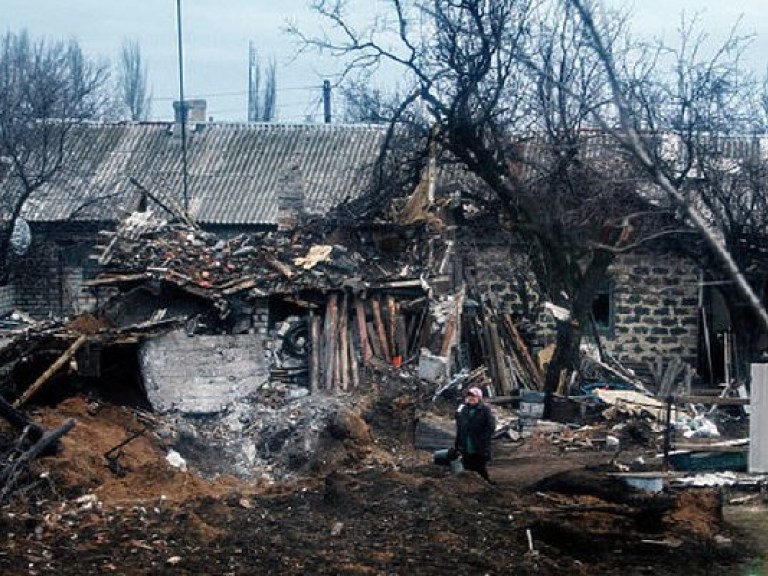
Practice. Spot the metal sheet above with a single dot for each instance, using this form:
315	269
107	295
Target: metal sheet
758	420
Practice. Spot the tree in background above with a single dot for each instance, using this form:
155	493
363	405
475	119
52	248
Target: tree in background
474	68
134	96
262	89
691	120
46	89
523	94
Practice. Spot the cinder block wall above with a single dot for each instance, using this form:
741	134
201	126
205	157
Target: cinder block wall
656	309
655	298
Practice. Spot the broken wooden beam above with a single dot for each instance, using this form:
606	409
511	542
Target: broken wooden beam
55	367
9	474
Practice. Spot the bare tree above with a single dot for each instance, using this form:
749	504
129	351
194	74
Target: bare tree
262	97
701	89
46	88
512	88
364	104
134	95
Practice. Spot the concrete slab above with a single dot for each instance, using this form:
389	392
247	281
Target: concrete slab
201	374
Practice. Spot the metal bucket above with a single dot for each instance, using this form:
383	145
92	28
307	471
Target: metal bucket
441	457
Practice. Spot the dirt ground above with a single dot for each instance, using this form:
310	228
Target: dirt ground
372	506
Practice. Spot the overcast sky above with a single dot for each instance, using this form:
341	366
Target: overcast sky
216	36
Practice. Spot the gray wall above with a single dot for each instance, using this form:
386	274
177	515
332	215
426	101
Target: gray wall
201	374
655	298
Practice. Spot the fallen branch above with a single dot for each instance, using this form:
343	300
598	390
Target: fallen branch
19	421
10	474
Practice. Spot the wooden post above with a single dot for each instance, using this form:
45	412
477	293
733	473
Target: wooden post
330	340
55	367
314	359
380	329
362	332
344	342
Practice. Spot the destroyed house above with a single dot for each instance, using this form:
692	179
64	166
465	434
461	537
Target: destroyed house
239	177
239	261
255	179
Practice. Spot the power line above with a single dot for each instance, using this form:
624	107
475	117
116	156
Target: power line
242	93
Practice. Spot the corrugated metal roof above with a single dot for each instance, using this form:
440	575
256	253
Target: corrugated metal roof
236	172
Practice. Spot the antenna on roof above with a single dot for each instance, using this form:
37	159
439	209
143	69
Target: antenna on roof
183	107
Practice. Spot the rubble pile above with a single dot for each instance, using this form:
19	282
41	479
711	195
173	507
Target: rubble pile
277	433
264	263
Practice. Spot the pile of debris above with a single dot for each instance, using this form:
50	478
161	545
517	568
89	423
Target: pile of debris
269	262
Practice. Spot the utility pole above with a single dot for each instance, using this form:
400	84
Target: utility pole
327	101
254	79
183	107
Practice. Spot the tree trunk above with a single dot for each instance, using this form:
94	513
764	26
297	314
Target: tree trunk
569	333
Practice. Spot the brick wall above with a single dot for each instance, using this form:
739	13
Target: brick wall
7	299
49	278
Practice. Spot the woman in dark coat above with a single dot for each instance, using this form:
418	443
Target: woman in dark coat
475	426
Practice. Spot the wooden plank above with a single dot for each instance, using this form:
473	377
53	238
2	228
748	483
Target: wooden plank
401	335
330	340
344	342
715	400
284	269
353	360
362	332
115	279
522	349
448	335
380	329
491	359
314	358
55	367
501	368
373	339
392	327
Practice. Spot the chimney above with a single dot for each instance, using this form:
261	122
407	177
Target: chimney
290	197
196	110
